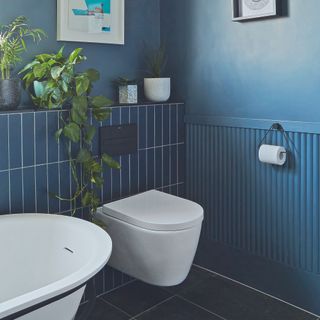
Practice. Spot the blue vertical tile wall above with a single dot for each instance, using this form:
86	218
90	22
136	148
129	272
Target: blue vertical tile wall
33	167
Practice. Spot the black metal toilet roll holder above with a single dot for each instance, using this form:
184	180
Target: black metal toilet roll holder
279	128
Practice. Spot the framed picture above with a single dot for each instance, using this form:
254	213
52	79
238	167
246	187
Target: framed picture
97	21
254	9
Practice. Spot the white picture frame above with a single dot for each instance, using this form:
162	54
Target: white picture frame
243	10
95	21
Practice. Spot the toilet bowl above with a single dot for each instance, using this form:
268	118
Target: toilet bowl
155	236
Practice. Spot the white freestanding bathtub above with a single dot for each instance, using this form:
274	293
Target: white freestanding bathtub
46	261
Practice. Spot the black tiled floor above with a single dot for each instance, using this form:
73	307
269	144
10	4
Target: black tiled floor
195	277
136	297
234	301
104	311
203	296
177	309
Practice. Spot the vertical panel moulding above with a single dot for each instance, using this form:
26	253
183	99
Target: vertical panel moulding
206	178
233	186
201	170
254	151
238	191
315	203
290	202
243	212
296	216
215	183
188	160
302	213
263	204
248	183
211	179
275	205
227	177
317	209
281	233
220	181
208	169
309	202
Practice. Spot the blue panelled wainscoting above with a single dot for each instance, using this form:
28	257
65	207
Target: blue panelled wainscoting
33	165
261	221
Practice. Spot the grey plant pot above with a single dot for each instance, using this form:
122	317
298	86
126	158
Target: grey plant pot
10	94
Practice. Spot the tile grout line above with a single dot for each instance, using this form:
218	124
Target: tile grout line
114	306
153	307
200	307
22	161
9	165
254	289
67	161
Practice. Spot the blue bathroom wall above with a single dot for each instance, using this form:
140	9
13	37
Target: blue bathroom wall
256	69
34	168
261	222
142	26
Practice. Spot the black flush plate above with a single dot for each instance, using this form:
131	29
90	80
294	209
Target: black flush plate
119	140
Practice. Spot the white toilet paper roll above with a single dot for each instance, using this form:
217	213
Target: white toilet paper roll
273	154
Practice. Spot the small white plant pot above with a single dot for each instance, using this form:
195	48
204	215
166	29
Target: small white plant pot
157	89
128	94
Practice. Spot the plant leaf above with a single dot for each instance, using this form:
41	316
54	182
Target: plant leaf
39	88
74	56
84	155
90	133
56	72
72	131
79	109
101	101
82	85
110	162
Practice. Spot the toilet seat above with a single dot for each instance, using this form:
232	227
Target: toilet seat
155	210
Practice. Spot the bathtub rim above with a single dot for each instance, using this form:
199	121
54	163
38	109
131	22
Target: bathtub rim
66	285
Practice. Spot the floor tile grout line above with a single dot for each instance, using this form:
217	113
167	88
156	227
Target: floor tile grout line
153	307
114	306
257	290
202	308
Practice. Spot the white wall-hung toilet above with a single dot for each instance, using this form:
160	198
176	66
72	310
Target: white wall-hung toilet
155	236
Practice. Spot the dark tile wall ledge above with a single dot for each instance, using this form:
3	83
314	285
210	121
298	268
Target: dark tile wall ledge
33	165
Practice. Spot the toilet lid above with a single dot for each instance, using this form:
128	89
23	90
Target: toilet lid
155	210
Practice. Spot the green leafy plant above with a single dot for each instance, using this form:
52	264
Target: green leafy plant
122	81
12	43
156	61
54	83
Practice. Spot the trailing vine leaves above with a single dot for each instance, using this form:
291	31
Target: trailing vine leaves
53	83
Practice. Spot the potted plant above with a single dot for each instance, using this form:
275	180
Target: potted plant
12	45
128	90
54	83
156	87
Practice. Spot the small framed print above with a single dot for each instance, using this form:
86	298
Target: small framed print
97	21
254	9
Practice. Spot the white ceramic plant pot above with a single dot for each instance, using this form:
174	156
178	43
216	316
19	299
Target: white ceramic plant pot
157	89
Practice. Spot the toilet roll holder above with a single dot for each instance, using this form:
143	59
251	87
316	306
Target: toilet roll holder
277	127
